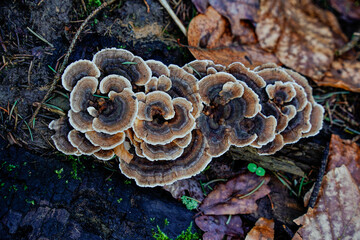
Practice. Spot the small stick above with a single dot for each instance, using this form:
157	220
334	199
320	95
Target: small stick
66	58
320	176
147	6
165	4
29	72
40	37
2	44
354	40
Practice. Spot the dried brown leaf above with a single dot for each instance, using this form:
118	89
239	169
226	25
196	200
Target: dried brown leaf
201	5
228	198
210	37
348	8
263	230
342	74
235	11
189	187
216	227
303	36
336	214
344	152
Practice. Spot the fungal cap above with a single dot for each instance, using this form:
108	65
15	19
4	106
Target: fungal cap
156	103
82	92
114	83
158	131
159	173
104	155
105	141
79	140
120	114
208	84
62	127
124	63
168	151
76	71
81	121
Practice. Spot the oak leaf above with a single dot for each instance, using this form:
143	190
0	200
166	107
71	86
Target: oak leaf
336	214
303	36
344	152
235	11
210	37
342	74
237	196
263	230
216	227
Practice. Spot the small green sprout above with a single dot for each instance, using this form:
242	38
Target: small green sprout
119	200
59	172
189	202
129	63
127	181
252	167
32	202
10	167
166	222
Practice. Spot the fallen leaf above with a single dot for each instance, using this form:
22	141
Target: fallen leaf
216	227
336	214
343	74
210	36
201	5
303	36
235	11
263	229
348	8
233	197
344	152
188	187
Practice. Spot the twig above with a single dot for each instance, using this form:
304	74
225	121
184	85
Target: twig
29	72
165	4
66	58
40	37
354	40
320	176
147	6
2	44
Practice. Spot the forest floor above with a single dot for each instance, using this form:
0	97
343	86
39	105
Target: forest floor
47	195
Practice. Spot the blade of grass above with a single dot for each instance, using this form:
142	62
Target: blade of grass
31	136
285	183
12	109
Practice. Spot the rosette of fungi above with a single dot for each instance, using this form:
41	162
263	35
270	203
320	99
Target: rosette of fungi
100	113
231	115
289	98
162	124
202	68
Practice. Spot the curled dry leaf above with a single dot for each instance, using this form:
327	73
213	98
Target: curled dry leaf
233	197
303	36
236	11
210	36
200	5
263	230
189	187
343	74
344	152
216	227
336	214
348	8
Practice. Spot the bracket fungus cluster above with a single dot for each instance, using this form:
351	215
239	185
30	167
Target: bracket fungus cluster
166	123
